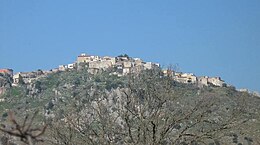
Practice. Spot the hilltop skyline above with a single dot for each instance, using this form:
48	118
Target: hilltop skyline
216	38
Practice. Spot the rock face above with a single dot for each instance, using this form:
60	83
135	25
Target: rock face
5	82
34	88
6	141
2	90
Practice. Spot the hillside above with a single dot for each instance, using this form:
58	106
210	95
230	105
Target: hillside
144	108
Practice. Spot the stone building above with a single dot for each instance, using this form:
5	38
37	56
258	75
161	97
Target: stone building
138	62
148	65
111	59
185	78
202	81
66	67
206	81
243	90
127	65
168	73
216	81
62	67
28	77
7	71
71	66
122	58
124	65
83	58
96	66
17	78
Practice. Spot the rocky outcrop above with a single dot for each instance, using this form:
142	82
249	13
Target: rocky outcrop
34	88
4	140
5	83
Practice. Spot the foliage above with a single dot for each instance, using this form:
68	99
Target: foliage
123	55
143	108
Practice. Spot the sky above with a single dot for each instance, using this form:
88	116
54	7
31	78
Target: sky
205	37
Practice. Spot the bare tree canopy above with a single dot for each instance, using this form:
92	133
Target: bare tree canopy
143	108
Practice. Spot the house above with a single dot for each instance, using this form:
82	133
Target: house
148	65
28	76
203	81
95	58
62	67
126	71
71	66
257	94
138	62
54	70
83	58
17	78
137	68
99	64
190	77
119	65
111	59
157	64
7	71
127	64
243	90
168	73
185	78
122	58
216	81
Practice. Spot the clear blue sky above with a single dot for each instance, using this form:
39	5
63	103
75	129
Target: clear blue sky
206	37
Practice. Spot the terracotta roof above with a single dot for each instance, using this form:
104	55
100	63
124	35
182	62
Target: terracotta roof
5	70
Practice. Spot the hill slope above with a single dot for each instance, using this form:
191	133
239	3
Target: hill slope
144	108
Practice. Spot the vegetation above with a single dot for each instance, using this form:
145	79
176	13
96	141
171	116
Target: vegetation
24	131
144	108
123	55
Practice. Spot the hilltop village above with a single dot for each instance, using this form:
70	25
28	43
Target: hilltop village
120	66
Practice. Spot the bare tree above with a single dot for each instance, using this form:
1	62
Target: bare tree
150	110
24	130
